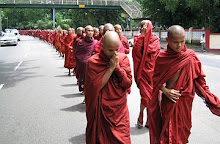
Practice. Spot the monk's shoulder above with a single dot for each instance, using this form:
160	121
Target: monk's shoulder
192	53
93	59
122	56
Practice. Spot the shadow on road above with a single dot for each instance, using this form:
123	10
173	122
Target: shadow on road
80	139
62	76
73	95
9	76
69	85
136	131
79	107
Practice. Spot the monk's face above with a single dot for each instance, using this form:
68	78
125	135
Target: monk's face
176	42
101	30
79	32
110	49
96	32
89	32
118	30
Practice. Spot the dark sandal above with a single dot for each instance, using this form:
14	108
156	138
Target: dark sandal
139	124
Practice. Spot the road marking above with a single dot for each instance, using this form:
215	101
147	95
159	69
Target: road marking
1	86
18	66
26	55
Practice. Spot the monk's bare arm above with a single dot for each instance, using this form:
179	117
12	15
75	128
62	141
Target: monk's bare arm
113	63
106	77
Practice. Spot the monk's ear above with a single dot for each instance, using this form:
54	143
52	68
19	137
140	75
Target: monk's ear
102	45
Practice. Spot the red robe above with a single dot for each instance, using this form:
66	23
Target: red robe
98	47
83	52
62	40
106	109
57	42
171	122
75	43
145	51
125	43
68	41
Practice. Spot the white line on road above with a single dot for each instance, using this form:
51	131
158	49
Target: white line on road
1	86
18	66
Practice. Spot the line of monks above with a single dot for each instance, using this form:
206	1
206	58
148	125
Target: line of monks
167	80
78	47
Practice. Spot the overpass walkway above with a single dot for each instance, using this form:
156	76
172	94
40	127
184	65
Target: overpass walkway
131	7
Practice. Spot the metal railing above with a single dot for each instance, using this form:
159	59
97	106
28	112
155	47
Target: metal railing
133	8
66	2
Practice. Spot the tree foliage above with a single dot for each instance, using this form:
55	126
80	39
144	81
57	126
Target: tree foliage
65	18
188	13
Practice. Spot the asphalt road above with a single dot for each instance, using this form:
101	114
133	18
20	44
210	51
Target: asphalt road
40	104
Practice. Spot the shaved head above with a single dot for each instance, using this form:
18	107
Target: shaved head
89	31
176	38
88	27
117	26
110	43
175	30
108	27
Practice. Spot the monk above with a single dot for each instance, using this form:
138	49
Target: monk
178	75
107	27
79	36
145	50
108	75
83	52
123	39
57	40
68	42
101	27
96	34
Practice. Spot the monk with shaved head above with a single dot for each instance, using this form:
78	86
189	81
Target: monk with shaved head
108	75
83	52
177	77
123	39
98	45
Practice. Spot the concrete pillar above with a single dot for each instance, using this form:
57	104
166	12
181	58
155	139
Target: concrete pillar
0	21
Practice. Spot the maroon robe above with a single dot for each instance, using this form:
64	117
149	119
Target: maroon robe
62	40
68	41
125	43
145	51
171	122
106	109
83	52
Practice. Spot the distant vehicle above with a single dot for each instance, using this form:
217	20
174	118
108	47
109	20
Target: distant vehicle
15	31
8	39
131	42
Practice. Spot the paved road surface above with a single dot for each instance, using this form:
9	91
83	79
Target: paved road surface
40	104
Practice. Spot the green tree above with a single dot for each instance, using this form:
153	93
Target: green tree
200	13
65	18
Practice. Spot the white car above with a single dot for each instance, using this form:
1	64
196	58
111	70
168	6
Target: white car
15	31
8	39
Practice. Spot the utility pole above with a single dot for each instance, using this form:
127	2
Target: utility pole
0	21
53	17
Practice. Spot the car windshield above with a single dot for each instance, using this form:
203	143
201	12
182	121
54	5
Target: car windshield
9	34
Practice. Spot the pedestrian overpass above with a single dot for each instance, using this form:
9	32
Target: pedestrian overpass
131	7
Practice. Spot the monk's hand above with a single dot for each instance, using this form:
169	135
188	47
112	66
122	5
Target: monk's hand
172	94
144	29
114	61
